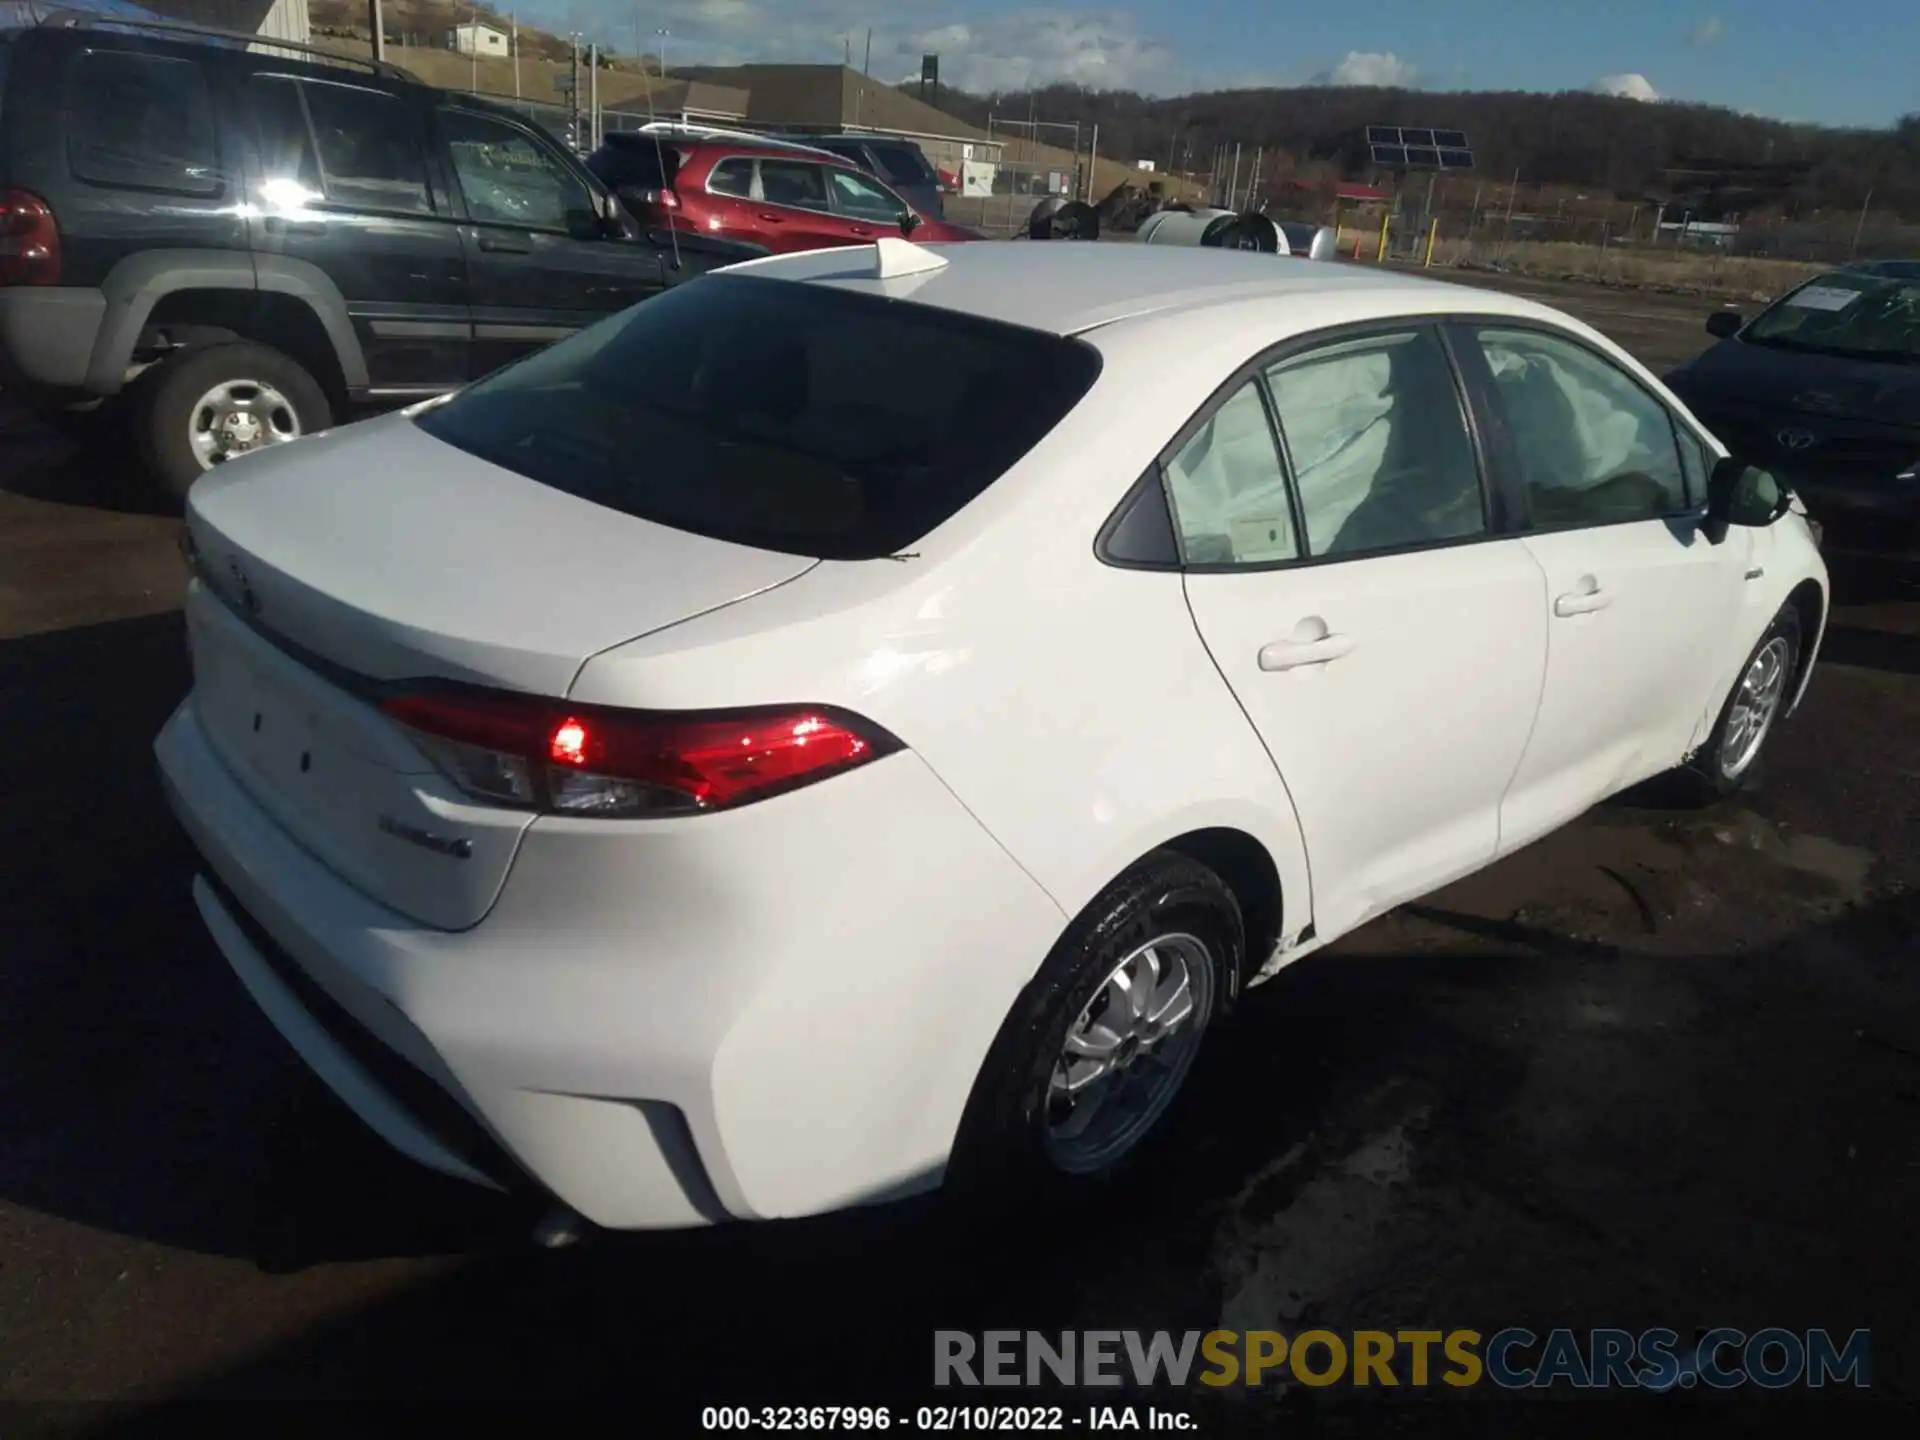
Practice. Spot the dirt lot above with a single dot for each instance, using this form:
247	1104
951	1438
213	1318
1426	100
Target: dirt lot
1661	1069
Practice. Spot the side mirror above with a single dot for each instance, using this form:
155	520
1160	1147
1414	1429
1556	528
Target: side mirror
1742	494
1723	323
909	222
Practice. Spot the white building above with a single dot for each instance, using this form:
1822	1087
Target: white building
476	39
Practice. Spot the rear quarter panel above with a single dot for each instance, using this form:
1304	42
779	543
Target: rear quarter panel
1068	704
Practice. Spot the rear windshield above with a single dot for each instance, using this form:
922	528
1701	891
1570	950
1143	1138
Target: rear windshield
904	164
792	417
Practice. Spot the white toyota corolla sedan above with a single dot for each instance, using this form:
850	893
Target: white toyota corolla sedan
863	717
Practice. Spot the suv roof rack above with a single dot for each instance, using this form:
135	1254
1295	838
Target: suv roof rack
68	19
709	132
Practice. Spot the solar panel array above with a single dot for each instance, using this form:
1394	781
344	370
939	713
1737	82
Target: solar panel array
1407	147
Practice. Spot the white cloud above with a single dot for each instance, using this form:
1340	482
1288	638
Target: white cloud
1366	67
1627	87
1707	31
1003	50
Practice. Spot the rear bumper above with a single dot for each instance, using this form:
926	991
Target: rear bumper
47	335
775	1012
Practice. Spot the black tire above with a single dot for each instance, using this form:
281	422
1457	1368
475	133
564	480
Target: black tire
1246	232
1709	770
1003	1150
167	394
1076	220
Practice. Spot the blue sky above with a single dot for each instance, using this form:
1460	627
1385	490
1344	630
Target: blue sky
1854	62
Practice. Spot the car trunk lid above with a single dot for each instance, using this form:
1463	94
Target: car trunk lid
335	572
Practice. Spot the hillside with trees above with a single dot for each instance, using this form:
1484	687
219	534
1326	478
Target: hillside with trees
1573	139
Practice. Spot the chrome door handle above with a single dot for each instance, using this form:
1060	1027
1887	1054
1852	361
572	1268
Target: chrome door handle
1582	603
1292	654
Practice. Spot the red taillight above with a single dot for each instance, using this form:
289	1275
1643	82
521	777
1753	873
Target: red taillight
593	761
29	240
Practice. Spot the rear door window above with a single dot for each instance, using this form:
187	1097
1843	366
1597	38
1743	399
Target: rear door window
141	122
792	417
796	183
286	144
1378	444
731	177
372	151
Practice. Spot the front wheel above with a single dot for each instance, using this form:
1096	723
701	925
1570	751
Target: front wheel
1731	756
206	407
1102	1041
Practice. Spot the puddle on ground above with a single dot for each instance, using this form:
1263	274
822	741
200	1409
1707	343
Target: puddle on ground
1617	871
1276	1266
1845	867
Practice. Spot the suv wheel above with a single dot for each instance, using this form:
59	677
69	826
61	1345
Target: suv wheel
208	406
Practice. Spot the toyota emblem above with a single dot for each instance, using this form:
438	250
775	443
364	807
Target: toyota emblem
1795	439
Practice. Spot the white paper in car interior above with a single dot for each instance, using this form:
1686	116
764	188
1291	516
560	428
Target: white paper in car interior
1226	482
1823	297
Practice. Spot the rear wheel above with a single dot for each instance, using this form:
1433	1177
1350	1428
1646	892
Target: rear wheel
208	406
1101	1043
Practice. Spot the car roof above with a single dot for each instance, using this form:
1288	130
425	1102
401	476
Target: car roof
720	146
1068	288
1888	269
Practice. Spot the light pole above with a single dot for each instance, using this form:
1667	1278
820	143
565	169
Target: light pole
663	52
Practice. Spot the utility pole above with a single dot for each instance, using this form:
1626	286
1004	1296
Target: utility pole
1233	185
573	92
866	67
513	42
377	22
593	95
1861	228
473	50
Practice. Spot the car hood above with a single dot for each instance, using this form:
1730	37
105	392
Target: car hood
1886	393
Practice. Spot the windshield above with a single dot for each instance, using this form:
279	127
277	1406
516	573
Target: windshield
792	417
1846	312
